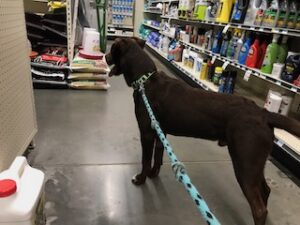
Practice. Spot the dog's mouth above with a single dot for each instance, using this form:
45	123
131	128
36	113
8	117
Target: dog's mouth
108	59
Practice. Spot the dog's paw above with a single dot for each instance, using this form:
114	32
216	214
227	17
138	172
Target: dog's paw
138	179
154	172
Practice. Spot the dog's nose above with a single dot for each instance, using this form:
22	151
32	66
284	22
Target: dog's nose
109	59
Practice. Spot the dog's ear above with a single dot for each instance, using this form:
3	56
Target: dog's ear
140	41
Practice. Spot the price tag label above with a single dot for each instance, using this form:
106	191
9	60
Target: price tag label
275	31
226	28
294	89
280	143
225	65
263	76
239	26
261	29
284	32
278	82
252	28
213	59
247	75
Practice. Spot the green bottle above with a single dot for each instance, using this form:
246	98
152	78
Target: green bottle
271	55
283	50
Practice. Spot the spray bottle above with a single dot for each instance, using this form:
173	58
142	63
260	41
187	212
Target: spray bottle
271	55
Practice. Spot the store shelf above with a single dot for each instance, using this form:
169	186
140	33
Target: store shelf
286	141
122	13
166	34
121	26
162	1
120	35
154	27
153	12
282	31
254	72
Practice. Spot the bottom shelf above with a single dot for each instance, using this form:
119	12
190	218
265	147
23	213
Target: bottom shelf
287	150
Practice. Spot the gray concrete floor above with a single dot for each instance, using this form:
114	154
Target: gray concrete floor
88	146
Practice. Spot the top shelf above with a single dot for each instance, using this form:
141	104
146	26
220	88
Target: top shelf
275	30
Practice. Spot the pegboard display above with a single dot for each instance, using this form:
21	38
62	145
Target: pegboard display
17	112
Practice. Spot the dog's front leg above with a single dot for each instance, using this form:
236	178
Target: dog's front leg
158	159
147	140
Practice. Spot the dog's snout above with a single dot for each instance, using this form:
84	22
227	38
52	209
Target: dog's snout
108	59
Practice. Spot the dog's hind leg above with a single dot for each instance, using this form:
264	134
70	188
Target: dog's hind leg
158	159
249	151
147	140
265	189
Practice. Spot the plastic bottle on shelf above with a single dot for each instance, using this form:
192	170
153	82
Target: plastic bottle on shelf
284	10
208	39
217	75
225	43
262	7
244	51
217	43
263	48
292	18
271	15
233	44
271	55
240	10
224	11
253	55
239	46
204	70
283	50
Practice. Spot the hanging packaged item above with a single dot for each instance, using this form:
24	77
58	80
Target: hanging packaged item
292	68
239	11
271	14
200	9
224	11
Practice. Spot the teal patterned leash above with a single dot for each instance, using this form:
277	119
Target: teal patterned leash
178	168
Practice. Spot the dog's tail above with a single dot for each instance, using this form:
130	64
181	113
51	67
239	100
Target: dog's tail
282	122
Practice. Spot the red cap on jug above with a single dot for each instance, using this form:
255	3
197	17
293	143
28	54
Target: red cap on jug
7	188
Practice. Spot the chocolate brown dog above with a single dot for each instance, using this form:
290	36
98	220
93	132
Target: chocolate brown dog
237	122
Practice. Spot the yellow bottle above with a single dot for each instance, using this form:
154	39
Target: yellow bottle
204	71
224	11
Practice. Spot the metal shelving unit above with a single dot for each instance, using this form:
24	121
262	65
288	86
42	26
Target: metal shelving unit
153	27
153	12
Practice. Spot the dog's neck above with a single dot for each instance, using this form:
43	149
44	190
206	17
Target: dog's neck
136	73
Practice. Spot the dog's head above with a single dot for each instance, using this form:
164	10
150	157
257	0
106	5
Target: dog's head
122	50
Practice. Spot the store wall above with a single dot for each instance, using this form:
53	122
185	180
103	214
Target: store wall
17	112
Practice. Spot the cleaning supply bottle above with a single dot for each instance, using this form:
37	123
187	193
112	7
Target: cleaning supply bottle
283	14
239	45
240	10
283	50
297	26
200	9
207	39
292	18
261	6
263	51
204	70
253	55
225	43
252	10
224	11
217	43
233	44
244	51
271	55
271	14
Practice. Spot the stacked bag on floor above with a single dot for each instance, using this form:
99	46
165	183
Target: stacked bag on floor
88	74
48	39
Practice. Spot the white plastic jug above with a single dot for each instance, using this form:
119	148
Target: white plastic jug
21	190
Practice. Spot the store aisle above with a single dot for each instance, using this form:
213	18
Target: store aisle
88	145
